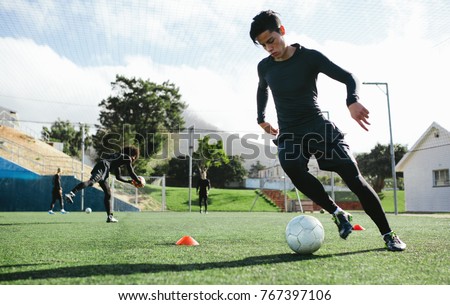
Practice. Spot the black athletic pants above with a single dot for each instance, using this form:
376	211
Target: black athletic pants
296	169
105	187
57	195
204	199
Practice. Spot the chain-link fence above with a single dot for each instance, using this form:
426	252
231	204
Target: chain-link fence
152	197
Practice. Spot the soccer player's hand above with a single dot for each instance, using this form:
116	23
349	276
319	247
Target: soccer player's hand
137	184
268	128
360	114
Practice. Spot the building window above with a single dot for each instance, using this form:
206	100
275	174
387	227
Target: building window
441	177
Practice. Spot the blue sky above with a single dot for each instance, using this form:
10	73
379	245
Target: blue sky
58	58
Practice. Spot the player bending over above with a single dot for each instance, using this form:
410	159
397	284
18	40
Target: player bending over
100	173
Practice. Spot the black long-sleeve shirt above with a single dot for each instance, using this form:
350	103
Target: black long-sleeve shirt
293	86
115	161
203	185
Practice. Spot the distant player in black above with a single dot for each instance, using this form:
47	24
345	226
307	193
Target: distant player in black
100	173
203	186
291	73
57	192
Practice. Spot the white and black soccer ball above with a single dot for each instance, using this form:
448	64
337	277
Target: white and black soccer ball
139	184
88	210
304	234
142	179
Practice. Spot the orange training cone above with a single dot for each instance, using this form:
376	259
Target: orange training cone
357	227
187	241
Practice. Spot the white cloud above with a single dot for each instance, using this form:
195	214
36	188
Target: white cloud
204	49
226	101
414	70
42	86
42	15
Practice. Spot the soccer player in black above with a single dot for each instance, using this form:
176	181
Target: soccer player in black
291	73
100	173
203	186
57	192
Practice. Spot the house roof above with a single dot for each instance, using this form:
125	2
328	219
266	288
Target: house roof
437	130
8	117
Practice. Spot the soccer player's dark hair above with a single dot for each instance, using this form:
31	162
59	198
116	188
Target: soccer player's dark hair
265	20
131	151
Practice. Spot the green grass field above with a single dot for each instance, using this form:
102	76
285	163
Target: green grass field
219	200
235	248
243	200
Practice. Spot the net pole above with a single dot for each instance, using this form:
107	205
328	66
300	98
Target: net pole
191	149
82	164
163	195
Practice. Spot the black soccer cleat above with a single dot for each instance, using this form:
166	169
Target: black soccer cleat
69	197
393	242
342	220
111	219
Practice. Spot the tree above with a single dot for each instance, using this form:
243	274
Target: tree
376	165
209	155
233	171
255	168
139	113
176	171
65	132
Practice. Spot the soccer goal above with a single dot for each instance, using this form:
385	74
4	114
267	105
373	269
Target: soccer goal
152	197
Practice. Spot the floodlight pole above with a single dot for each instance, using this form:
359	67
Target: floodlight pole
394	177
285	193
191	152
82	164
